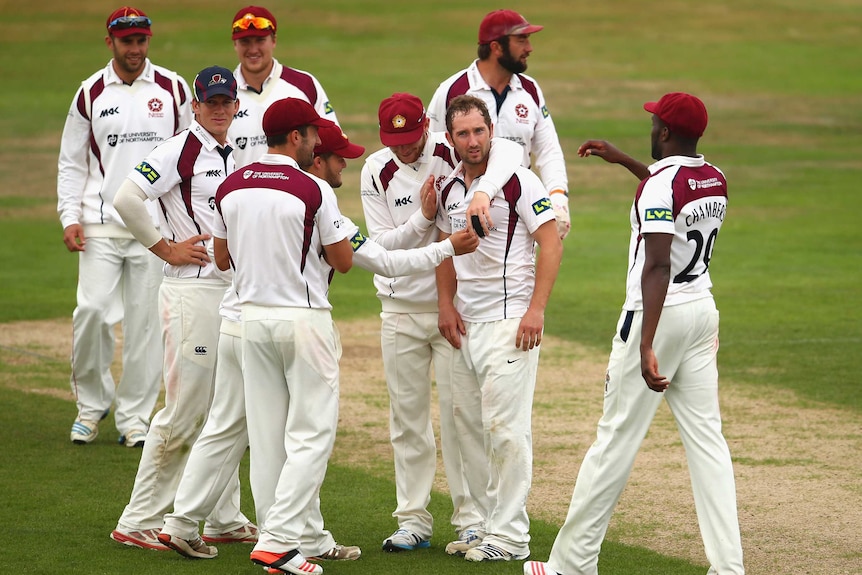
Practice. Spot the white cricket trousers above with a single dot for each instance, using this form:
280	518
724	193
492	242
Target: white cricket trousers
190	319
686	345
290	368
118	280
492	394
213	466
410	343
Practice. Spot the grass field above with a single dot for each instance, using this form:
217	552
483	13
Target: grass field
782	80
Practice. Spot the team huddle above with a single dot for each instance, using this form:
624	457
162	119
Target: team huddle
205	220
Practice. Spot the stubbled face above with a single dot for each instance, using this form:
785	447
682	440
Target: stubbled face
471	137
216	115
255	53
409	153
331	167
130	53
305	150
514	58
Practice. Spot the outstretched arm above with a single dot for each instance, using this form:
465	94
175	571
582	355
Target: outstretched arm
610	153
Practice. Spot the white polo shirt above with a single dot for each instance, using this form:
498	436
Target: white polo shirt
276	219
497	280
523	117
182	176
687	197
246	131
110	127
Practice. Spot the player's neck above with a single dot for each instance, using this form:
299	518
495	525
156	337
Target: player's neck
256	79
473	171
126	77
494	74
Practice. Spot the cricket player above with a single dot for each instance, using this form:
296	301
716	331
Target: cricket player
514	99
217	453
394	182
182	174
492	308
269	210
263	80
665	346
117	116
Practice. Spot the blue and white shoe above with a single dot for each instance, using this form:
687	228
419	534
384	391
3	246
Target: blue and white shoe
469	538
86	430
134	438
404	540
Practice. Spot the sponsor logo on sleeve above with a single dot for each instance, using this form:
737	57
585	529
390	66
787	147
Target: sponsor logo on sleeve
658	215
357	240
542	205
148	172
545	112
328	109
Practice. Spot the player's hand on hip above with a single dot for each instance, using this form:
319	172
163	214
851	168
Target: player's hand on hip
464	242
649	371
451	326
191	251
530	330
480	207
428	199
73	237
560	202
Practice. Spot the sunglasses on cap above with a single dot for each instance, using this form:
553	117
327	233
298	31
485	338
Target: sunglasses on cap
251	21
126	22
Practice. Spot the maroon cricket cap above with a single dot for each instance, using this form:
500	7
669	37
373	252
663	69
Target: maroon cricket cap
126	21
402	119
253	21
284	116
501	23
681	112
334	141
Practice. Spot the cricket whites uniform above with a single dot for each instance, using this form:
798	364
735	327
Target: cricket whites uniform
182	176
410	338
110	127
494	381
522	117
686	197
246	131
272	209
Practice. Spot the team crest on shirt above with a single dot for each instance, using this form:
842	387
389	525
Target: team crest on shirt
542	205
399	121
658	215
357	240
156	106
438	185
112	140
148	172
521	111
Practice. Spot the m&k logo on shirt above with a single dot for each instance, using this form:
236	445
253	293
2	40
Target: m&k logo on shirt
658	214
542	205
148	172
357	240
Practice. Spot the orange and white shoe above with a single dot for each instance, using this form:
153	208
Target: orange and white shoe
145	539
290	562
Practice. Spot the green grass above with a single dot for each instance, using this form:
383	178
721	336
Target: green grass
781	79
